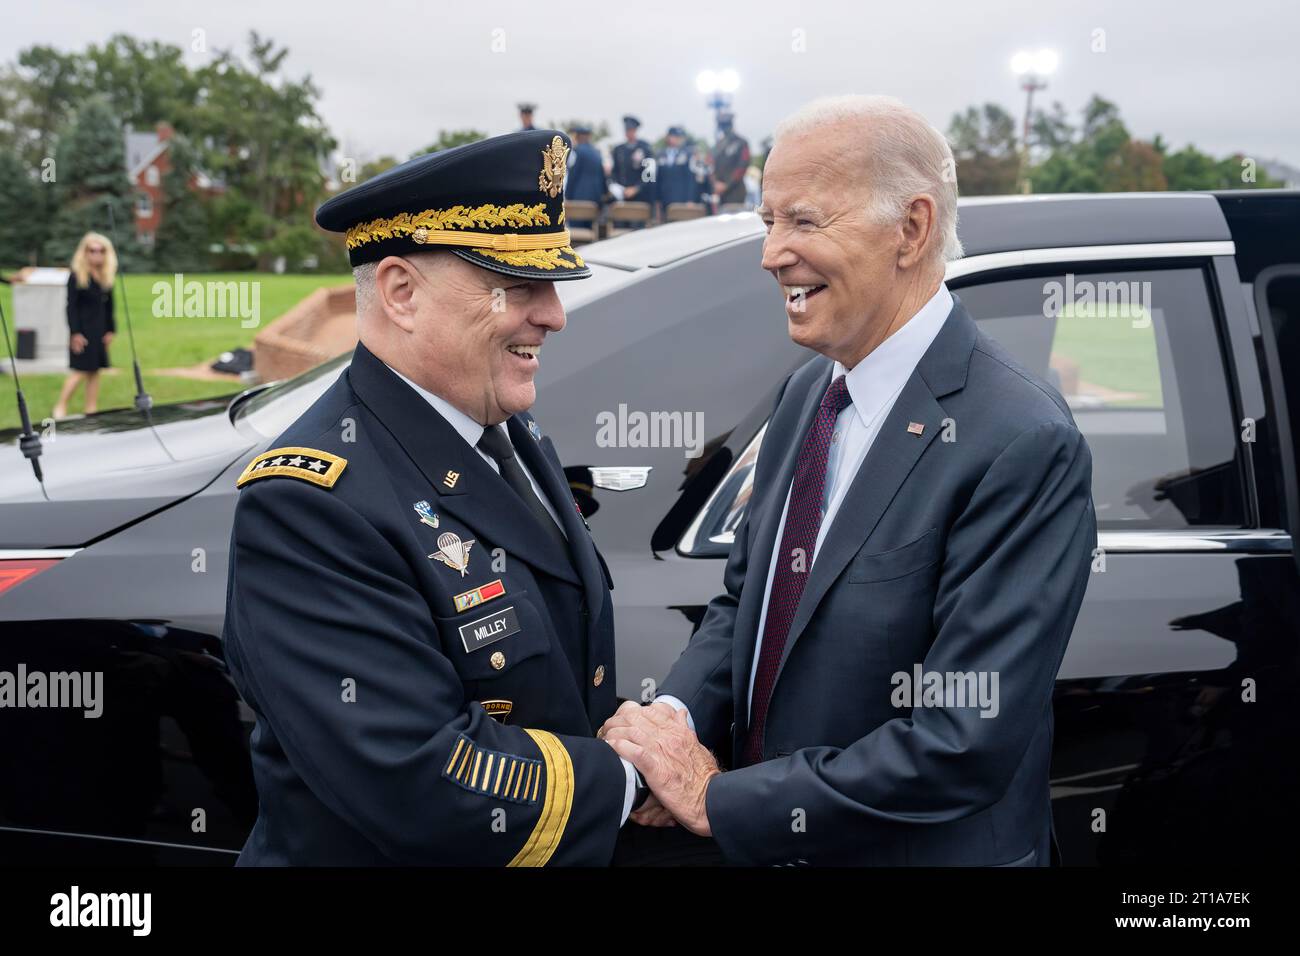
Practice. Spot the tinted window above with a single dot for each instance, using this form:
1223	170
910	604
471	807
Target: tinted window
1141	368
1137	357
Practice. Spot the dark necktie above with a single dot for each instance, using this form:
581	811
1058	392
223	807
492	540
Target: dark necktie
794	561
495	443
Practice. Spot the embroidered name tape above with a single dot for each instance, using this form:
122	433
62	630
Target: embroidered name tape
488	630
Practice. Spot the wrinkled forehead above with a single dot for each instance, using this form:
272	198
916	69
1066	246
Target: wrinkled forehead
816	168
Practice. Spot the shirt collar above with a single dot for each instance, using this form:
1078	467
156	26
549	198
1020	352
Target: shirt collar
876	379
465	426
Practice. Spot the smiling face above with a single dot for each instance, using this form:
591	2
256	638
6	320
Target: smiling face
467	334
838	269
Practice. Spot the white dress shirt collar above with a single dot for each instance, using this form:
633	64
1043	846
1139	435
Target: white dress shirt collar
874	381
465	426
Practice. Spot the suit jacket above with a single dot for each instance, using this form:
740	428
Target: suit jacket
961	547
411	710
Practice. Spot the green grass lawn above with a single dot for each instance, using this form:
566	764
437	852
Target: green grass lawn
1112	353
163	342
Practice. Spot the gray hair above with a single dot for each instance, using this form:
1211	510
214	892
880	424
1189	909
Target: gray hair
908	157
364	276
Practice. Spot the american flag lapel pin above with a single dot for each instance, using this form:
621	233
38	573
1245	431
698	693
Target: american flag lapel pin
915	428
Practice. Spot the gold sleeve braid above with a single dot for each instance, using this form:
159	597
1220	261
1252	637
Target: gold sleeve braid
556	805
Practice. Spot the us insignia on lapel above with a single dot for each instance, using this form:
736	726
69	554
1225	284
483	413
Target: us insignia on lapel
479	595
915	428
306	464
453	552
534	430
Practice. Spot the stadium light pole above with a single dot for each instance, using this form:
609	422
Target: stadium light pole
1034	69
717	85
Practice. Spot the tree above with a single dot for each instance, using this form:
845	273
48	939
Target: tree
90	179
268	145
376	166
181	242
984	144
449	138
19	205
146	81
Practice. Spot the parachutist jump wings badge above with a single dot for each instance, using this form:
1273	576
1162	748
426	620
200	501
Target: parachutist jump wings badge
453	552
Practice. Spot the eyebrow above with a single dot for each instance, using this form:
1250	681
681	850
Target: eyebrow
793	210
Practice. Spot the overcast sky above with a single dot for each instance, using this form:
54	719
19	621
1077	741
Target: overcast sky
1223	76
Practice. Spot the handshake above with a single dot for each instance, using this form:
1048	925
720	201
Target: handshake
657	740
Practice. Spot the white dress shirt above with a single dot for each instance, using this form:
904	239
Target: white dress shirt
472	431
874	384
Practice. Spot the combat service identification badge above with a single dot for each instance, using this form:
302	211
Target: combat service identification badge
453	552
306	464
425	511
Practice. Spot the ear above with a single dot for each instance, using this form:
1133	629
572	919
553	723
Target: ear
395	289
918	231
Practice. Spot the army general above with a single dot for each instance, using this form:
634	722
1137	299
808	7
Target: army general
416	611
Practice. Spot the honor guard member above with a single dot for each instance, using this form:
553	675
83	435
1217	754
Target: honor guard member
730	162
678	170
634	164
586	178
416	612
526	116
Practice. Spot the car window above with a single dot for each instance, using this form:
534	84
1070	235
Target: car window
1136	356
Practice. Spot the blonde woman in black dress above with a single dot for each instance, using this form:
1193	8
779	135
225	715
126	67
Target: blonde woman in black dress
90	318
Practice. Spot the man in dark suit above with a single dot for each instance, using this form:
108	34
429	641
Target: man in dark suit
878	674
417	614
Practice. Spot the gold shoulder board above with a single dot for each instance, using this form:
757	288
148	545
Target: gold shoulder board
307	464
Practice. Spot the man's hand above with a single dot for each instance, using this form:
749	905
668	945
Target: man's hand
676	766
652	814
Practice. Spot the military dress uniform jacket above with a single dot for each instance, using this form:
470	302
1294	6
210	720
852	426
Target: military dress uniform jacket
412	709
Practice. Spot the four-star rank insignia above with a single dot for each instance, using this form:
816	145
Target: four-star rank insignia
453	552
306	464
554	163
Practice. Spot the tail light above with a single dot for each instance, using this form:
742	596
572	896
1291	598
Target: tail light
14	571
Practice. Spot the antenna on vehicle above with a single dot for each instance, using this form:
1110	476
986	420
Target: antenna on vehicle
143	400
29	443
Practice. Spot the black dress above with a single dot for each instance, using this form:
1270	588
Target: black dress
90	312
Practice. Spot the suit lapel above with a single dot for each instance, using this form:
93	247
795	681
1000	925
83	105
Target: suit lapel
466	485
895	451
882	472
550	477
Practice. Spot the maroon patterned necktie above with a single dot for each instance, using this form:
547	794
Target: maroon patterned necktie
794	561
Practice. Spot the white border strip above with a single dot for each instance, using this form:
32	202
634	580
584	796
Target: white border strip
1034	257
